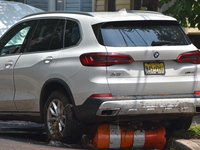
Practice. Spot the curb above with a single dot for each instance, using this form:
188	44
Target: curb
183	144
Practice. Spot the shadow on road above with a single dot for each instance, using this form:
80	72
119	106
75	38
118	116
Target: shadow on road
27	135
23	131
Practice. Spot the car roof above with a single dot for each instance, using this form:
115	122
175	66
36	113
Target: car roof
97	17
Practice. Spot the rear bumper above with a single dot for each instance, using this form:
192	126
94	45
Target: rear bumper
138	108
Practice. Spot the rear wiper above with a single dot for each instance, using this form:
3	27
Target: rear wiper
159	43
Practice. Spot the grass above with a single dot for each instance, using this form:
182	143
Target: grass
192	133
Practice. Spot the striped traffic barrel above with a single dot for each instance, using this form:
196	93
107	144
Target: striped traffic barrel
116	137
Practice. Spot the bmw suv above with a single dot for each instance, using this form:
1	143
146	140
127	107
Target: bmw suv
71	69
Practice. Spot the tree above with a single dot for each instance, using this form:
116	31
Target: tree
187	12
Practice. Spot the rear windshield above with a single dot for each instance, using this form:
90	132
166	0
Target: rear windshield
143	33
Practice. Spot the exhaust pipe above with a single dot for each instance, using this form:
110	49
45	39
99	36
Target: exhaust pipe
116	137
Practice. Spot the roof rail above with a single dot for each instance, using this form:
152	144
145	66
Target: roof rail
123	10
57	12
143	11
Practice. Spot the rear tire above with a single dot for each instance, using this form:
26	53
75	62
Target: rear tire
60	122
180	124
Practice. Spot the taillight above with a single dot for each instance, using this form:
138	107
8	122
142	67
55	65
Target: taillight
193	57
104	59
102	95
196	92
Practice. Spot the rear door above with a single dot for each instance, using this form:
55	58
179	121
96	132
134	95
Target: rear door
36	63
154	46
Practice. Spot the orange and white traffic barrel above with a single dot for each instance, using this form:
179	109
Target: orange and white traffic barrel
116	137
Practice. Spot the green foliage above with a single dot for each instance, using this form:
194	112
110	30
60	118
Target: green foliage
192	132
196	130
187	12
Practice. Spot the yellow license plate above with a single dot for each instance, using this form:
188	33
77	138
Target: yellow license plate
154	68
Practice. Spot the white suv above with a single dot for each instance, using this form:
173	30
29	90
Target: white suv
70	69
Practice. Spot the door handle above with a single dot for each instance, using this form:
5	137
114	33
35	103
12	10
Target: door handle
8	64
47	60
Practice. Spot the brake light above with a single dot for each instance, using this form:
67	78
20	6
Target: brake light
196	92
102	95
104	59
193	57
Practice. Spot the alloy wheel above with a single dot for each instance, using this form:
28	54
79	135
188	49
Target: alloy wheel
56	118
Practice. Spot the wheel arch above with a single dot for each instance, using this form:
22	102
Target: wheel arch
53	85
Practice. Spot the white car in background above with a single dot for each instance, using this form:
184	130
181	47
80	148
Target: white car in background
11	12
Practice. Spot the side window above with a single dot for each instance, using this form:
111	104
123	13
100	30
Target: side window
13	40
72	33
48	35
57	40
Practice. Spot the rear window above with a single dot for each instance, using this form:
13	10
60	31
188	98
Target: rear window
143	33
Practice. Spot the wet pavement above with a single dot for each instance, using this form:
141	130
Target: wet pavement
15	135
21	135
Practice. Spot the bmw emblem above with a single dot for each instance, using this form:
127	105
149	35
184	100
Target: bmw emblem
156	54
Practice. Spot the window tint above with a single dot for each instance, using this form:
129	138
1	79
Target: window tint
72	33
48	35
151	33
13	40
57	40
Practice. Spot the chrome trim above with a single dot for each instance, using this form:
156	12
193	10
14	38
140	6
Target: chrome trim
153	106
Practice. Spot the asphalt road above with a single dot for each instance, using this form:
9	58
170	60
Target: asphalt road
15	135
